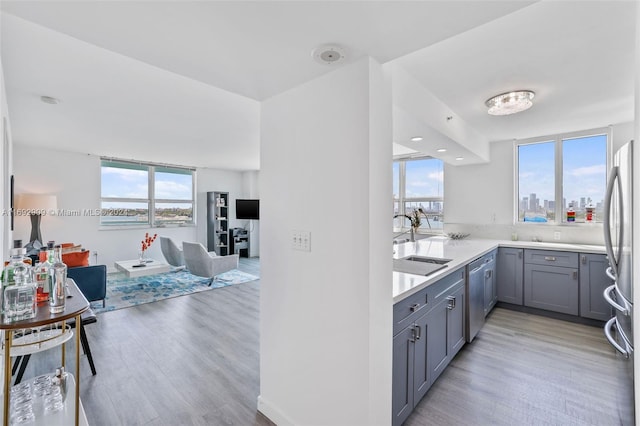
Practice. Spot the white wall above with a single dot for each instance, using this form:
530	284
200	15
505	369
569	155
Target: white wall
479	198
75	180
5	170
325	329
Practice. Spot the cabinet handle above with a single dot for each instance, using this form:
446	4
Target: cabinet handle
520	254
452	302
550	258
419	333
575	275
414	307
413	334
583	258
488	273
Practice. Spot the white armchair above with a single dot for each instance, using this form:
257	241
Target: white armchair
172	253
204	264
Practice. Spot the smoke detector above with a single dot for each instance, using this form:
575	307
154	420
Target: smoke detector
329	54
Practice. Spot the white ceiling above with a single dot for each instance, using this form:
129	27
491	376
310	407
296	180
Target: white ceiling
180	82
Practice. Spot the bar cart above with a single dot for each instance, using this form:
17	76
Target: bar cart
43	332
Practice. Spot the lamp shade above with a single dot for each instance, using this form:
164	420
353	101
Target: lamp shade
36	202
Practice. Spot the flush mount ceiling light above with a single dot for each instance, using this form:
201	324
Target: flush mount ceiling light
510	103
49	100
441	150
459	158
416	139
329	54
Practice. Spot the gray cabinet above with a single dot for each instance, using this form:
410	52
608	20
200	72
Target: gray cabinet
551	281
509	275
489	278
593	281
433	333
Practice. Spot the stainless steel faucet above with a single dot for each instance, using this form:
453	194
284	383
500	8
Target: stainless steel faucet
412	238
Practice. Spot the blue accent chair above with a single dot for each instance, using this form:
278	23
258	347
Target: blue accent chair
91	280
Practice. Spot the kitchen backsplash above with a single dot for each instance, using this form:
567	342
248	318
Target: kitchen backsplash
572	234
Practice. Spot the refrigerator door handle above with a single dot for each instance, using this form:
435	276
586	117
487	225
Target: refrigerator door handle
607	332
615	173
609	273
607	296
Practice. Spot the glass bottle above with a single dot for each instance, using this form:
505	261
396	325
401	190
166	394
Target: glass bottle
58	274
43	277
19	289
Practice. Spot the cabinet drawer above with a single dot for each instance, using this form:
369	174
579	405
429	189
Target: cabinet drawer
551	258
440	290
407	310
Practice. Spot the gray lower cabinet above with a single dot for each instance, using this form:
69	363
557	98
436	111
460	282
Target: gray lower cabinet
490	288
593	281
423	349
509	275
551	281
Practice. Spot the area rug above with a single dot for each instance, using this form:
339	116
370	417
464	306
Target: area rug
123	292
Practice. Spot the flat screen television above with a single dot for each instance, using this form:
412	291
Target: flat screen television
248	209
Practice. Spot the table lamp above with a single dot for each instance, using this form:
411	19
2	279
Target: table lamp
35	203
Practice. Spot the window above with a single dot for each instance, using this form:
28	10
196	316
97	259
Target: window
130	191
571	168
418	183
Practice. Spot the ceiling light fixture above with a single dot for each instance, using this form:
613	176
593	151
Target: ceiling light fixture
49	100
441	150
459	158
329	54
416	139
510	102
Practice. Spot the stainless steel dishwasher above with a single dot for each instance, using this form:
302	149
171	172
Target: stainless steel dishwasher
475	298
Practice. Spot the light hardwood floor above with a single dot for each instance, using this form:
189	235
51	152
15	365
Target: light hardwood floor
524	369
194	360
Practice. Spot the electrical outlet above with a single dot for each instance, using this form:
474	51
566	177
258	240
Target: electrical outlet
301	240
556	235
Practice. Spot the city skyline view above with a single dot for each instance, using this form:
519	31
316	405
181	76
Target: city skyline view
582	181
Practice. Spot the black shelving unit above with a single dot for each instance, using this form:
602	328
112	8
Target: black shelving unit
218	222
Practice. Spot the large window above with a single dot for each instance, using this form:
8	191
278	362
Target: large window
562	177
418	184
130	191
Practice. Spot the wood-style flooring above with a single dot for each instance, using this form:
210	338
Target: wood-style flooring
524	369
194	360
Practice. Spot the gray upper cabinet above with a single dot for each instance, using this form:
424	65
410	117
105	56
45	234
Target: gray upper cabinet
593	281
509	275
551	281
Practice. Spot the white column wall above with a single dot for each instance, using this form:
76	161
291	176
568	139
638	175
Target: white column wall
325	329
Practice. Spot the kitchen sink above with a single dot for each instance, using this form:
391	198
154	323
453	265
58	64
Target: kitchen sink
435	260
419	265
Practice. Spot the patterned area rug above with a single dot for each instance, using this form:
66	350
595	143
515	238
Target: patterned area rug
123	292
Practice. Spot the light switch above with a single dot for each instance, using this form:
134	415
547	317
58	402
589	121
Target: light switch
301	240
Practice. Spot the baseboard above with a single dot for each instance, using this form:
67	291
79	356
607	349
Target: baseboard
550	314
272	413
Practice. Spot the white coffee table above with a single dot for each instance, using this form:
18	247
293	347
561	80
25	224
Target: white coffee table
132	270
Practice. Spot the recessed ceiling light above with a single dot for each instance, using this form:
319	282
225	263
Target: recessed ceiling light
441	150
49	100
510	103
459	158
416	139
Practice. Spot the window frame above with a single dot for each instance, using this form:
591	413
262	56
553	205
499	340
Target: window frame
402	200
557	140
151	199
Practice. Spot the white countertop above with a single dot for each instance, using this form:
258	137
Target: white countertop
461	252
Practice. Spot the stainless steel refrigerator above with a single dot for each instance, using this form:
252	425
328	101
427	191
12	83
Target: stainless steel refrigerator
618	240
